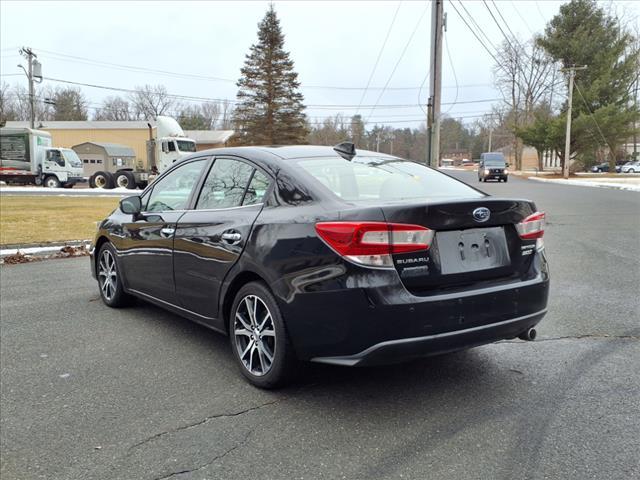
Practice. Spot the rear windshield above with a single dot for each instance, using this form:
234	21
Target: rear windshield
384	179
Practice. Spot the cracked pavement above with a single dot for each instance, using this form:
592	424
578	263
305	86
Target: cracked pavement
87	392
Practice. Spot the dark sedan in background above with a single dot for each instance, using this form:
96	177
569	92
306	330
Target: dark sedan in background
328	255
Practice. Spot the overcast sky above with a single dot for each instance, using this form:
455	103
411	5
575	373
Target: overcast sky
333	44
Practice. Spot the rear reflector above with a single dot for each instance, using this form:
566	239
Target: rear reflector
531	227
373	243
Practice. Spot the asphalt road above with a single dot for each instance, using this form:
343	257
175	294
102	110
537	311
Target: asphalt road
93	393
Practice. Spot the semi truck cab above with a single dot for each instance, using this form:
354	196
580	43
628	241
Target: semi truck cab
173	148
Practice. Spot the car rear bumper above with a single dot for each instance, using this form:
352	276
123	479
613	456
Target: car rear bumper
375	319
403	349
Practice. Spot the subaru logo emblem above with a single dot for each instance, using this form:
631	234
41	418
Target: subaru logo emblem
481	214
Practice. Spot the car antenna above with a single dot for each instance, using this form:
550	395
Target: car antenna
346	150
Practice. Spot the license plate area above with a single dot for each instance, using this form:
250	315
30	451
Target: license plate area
472	250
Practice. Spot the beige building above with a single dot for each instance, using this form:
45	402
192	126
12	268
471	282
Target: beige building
132	134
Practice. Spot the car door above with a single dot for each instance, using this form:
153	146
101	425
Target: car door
146	252
210	238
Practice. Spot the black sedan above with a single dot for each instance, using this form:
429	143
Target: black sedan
327	255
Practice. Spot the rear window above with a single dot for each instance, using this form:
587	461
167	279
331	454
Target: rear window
384	179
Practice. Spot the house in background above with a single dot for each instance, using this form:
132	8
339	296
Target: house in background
455	157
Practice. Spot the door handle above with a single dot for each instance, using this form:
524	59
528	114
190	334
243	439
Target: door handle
167	231
231	237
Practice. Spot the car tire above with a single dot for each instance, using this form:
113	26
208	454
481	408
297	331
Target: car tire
109	277
101	180
256	331
125	180
505	180
51	181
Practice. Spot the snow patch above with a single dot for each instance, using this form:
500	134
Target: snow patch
587	183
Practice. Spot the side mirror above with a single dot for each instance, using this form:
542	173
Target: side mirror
131	205
507	165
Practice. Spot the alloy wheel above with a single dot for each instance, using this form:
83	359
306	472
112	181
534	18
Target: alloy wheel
107	275
255	335
100	181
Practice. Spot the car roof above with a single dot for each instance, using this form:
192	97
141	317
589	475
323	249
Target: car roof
288	152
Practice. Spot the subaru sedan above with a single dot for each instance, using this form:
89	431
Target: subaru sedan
329	255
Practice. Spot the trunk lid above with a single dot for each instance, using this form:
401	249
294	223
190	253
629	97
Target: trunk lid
475	241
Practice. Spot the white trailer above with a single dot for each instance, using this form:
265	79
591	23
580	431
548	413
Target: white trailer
27	156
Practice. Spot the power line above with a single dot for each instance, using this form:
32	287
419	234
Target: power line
211	99
505	22
477	25
540	12
88	61
453	70
522	18
612	151
498	24
415	29
474	33
375	66
96	107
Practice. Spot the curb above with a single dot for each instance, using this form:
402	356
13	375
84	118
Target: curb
22	253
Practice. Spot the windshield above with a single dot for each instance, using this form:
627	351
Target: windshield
186	146
493	159
388	179
72	158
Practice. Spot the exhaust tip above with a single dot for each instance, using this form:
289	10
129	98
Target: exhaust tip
528	335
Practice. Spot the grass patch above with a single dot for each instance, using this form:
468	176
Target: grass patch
43	219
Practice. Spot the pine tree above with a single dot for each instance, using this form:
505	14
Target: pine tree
270	109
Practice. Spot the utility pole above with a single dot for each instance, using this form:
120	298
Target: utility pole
635	125
33	70
490	135
435	84
567	142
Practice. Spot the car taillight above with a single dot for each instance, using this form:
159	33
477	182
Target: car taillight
373	243
531	227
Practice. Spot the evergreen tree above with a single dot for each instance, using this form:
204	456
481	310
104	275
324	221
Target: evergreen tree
270	109
69	104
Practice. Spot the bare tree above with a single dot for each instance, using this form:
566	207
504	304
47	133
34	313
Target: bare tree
114	108
526	77
211	112
7	104
150	101
226	115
